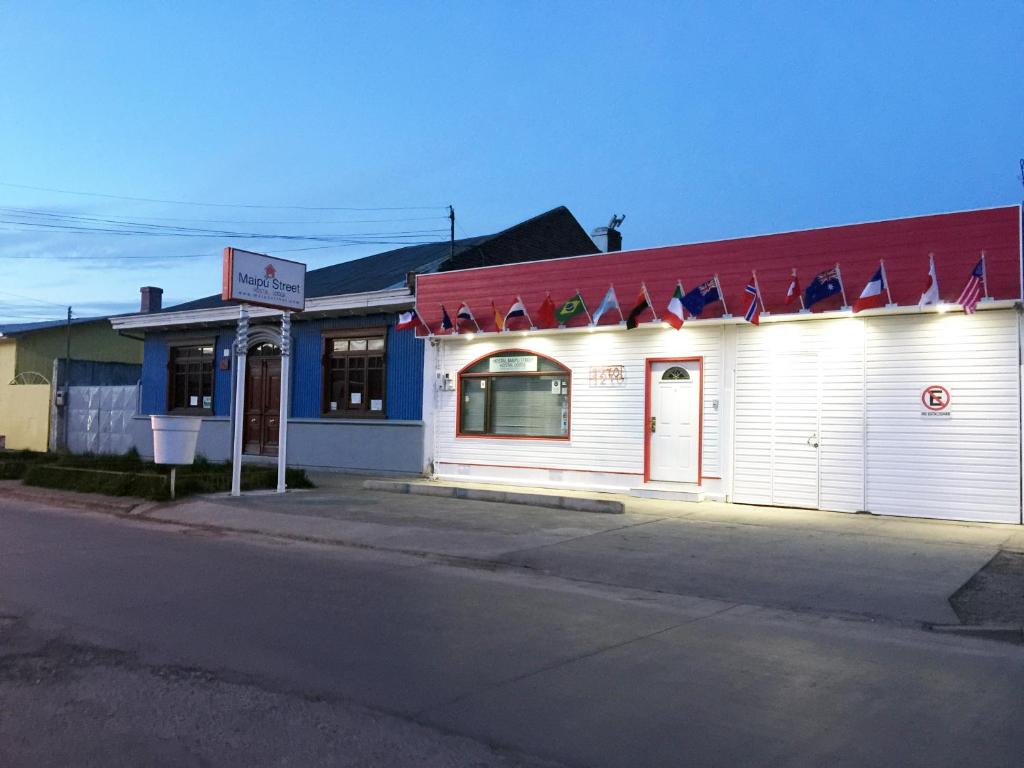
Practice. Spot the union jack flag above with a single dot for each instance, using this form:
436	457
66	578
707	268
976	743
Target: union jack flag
971	293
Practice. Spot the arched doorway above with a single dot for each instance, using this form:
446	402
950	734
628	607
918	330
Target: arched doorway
262	399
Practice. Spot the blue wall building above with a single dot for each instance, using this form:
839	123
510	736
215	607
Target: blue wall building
356	383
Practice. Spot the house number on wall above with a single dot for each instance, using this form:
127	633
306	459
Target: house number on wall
608	376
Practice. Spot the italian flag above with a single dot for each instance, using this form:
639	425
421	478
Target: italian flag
675	315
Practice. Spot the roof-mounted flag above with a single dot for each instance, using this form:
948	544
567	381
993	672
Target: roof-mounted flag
794	290
753	314
446	322
609	302
675	315
499	320
571	308
518	309
465	315
643	303
875	293
826	283
707	292
546	313
930	294
409	320
971	293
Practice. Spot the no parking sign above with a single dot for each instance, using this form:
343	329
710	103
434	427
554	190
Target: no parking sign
935	398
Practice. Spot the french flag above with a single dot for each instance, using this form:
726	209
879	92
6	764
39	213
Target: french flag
874	293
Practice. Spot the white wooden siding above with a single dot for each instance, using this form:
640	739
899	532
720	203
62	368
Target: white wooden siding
965	466
607	423
793	380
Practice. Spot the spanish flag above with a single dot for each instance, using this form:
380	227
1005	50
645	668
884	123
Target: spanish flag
499	319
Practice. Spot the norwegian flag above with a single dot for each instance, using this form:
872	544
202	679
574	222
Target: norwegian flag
971	293
753	315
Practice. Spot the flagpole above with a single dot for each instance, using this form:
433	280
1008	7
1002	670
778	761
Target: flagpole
799	293
760	296
647	295
885	279
586	311
721	296
984	274
527	313
842	288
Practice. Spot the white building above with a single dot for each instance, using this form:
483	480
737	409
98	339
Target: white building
895	410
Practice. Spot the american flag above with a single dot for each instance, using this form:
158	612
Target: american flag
972	291
753	315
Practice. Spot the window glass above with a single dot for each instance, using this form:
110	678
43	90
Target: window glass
515	394
354	376
474	396
190	378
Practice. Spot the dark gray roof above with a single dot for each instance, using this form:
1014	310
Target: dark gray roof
550	235
15	329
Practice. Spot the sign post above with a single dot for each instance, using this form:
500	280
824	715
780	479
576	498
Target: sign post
254	278
282	427
241	351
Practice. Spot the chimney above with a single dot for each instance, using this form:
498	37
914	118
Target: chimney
152	299
609	238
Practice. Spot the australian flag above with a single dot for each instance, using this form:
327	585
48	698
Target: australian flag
824	284
705	293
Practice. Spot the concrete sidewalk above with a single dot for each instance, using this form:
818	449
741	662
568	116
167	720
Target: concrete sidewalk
895	570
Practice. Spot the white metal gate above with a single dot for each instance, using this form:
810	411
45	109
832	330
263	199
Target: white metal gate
100	417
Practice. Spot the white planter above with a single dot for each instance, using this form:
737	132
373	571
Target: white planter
174	438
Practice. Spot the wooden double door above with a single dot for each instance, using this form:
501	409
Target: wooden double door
262	400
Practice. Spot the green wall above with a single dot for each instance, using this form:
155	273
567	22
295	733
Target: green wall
89	341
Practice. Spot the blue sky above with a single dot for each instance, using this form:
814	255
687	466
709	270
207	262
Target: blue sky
697	120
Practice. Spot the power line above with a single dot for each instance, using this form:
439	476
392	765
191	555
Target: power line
31	298
142	220
67	224
221	205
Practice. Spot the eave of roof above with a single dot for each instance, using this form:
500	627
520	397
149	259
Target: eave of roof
389	300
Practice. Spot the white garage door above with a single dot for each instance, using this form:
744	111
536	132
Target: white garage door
799	415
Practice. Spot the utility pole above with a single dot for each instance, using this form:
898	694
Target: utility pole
67	382
451	241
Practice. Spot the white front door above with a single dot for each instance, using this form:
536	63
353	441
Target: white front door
674	427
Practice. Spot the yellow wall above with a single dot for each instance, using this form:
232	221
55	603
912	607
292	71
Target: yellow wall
24	408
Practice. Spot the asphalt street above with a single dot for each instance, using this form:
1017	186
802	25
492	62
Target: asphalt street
132	642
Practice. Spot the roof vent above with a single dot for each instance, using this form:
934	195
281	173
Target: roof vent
609	238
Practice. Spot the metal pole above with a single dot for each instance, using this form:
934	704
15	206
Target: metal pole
282	426
67	382
451	241
241	350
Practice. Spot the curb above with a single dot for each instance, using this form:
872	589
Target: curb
1006	633
63	499
574	503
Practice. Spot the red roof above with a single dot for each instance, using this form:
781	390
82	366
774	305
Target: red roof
956	239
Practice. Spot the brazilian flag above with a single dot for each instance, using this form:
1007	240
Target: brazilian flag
570	309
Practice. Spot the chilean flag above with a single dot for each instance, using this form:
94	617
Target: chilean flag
874	292
408	320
